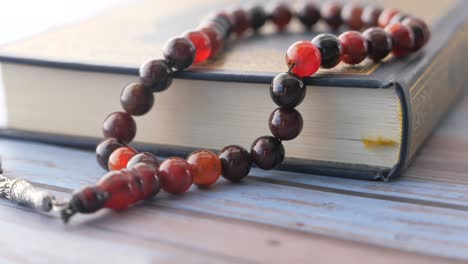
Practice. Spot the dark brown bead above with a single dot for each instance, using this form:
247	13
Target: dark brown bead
121	126
352	16
235	163
104	149
285	124
88	200
240	21
402	39
179	53
144	157
156	74
267	152
379	43
331	14
421	31
287	90
370	15
308	14
257	17
136	99
330	49
281	16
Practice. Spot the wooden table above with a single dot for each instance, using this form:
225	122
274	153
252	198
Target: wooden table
273	217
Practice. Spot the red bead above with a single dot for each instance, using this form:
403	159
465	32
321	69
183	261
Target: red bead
402	39
351	15
216	40
305	57
421	31
119	158
149	184
122	190
120	126
354	47
386	16
281	16
175	175
206	167
202	45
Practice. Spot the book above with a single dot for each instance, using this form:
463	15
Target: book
365	121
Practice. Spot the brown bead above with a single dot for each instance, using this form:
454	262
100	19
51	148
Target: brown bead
179	53
354	47
148	181
421	31
144	157
267	152
156	74
402	39
285	124
379	43
386	16
370	15
120	126
235	163
281	16
136	99
308	14
331	14
287	90
352	16
88	200
240	21
104	149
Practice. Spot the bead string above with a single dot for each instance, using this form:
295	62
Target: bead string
137	176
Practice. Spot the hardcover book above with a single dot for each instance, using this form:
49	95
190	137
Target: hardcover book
364	121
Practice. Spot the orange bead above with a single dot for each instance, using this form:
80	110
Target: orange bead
119	158
206	167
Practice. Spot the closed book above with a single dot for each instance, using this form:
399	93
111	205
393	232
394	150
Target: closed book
364	121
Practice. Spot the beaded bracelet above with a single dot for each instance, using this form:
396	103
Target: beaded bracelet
137	176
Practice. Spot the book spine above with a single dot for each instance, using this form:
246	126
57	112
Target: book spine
433	92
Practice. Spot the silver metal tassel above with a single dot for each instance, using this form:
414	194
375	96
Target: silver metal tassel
23	192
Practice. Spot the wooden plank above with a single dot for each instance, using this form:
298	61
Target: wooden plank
401	225
148	234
